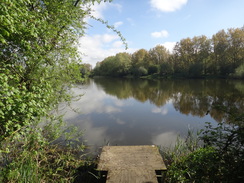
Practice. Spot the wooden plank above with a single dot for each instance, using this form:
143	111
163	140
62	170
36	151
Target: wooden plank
138	175
133	164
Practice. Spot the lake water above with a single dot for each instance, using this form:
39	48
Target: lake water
145	112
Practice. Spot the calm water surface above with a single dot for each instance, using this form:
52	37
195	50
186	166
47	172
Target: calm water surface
145	112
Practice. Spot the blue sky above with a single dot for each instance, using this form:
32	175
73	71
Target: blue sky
147	23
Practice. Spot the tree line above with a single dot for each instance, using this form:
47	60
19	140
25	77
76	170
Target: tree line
219	56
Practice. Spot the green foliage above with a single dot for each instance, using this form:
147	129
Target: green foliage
142	71
198	166
152	69
31	156
118	65
218	159
38	59
39	64
157	55
239	72
166	69
85	70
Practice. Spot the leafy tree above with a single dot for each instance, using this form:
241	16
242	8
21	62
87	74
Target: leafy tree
236	49
201	54
221	46
142	71
118	65
106	66
152	69
158	55
85	69
183	52
39	59
166	69
138	59
239	72
124	63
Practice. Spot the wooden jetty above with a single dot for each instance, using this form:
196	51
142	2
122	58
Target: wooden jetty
131	164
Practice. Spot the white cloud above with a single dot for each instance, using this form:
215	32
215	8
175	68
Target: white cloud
117	44
169	45
107	38
96	48
167	5
117	24
131	21
160	34
99	8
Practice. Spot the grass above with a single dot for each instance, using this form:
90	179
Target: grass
33	156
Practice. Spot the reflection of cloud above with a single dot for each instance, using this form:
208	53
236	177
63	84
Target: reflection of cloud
162	110
167	139
91	102
109	109
120	122
119	103
95	135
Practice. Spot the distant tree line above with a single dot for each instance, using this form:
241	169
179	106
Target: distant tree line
220	56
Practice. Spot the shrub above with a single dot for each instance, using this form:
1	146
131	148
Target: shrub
218	157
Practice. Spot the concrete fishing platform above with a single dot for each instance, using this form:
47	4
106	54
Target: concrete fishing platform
131	164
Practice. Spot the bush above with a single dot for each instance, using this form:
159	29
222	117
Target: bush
152	69
218	157
34	154
239	72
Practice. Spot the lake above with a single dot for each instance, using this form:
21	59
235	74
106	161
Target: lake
145	112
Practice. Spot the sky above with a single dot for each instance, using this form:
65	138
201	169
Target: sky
147	23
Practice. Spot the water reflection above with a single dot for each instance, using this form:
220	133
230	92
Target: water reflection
195	97
142	112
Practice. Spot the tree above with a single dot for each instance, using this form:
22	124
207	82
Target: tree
183	56
221	46
39	59
139	59
118	65
236	49
158	55
201	52
85	69
124	63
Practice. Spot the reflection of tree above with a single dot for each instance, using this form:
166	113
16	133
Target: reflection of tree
195	97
